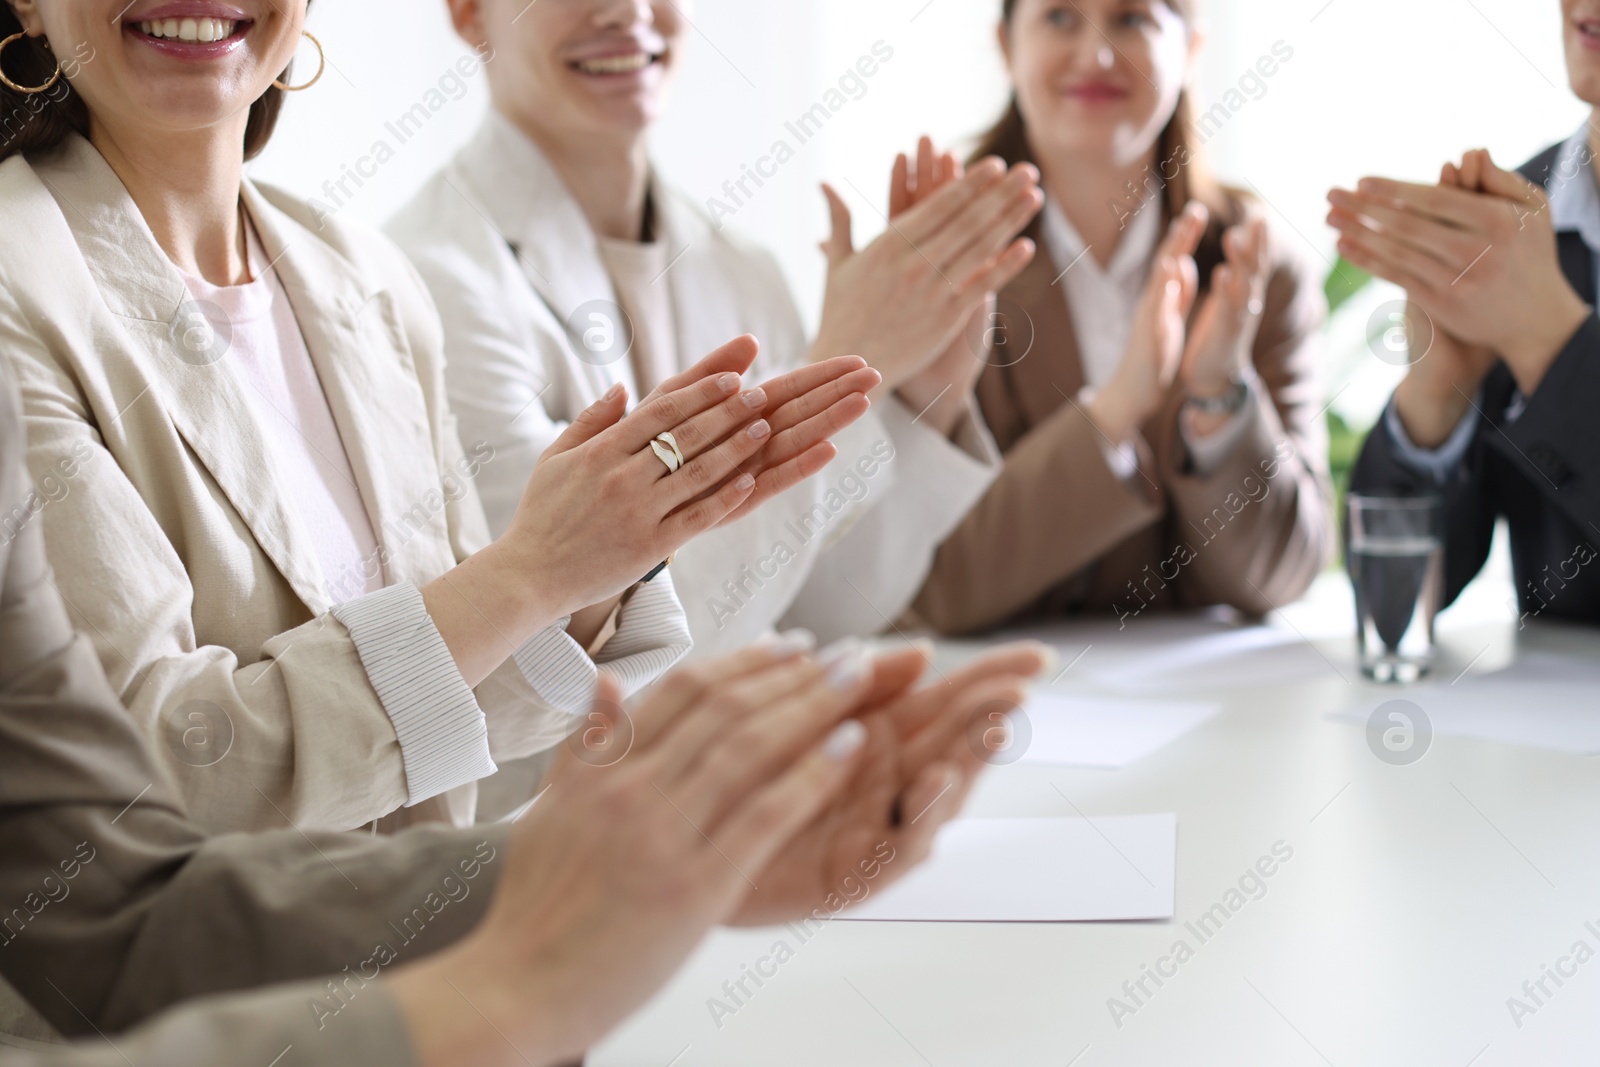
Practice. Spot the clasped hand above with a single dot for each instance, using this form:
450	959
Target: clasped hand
1205	359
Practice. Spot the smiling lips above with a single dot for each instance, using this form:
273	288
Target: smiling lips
631	63
188	29
1589	32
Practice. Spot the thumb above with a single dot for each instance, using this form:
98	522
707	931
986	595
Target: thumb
592	420
839	246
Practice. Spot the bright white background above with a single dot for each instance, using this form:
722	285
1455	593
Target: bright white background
1390	86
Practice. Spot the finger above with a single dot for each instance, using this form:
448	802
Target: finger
1447	244
896	671
1426	264
683	689
1511	185
592	421
995	241
1183	235
839	246
605	714
1472	172
949	169
899	194
757	747
1188	288
1000	272
821	398
1457	207
785	475
671	410
1450	176
1019	660
987	226
927	179
752	834
734	357
1391	261
804	436
722	709
967	718
933	800
786	387
706	512
711	427
931	215
701	475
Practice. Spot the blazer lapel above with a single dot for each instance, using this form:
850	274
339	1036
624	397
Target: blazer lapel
1036	366
357	344
1577	263
508	180
182	349
706	303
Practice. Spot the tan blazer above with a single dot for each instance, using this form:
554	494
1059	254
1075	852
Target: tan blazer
1059	532
172	540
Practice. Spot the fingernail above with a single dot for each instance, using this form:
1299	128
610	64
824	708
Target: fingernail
850	671
614	392
745	483
755	399
759	429
846	738
837	651
952	780
791	641
728	382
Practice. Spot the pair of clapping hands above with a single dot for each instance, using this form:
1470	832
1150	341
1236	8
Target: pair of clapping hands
1476	254
741	791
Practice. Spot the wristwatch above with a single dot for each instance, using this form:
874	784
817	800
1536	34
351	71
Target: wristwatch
1229	403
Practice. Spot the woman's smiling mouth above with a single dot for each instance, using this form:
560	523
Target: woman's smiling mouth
189	29
204	30
608	66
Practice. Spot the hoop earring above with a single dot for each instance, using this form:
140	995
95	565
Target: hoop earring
13	86
322	65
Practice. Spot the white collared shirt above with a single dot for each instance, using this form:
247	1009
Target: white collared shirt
1103	303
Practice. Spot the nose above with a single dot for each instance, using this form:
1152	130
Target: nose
622	14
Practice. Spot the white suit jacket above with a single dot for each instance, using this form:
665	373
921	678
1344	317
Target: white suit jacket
176	547
510	259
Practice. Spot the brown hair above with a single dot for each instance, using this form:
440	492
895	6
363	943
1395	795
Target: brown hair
32	122
1181	172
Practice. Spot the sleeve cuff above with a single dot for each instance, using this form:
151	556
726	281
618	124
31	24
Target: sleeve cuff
652	635
444	740
1438	462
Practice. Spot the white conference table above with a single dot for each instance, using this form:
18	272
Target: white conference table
1418	898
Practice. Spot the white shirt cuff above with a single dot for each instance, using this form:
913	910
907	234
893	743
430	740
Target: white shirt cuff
652	635
444	740
1440	461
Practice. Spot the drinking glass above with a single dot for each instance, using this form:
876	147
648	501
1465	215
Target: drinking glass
1395	552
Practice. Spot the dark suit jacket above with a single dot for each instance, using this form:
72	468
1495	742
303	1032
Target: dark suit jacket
1541	472
114	905
1058	532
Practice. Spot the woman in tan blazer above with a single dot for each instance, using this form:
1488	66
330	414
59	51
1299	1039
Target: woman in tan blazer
1154	396
265	519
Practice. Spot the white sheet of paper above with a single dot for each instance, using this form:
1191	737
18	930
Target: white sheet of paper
1249	655
1540	701
1069	730
1038	870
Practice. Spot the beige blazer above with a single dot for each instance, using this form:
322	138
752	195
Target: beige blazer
170	532
1059	532
509	257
